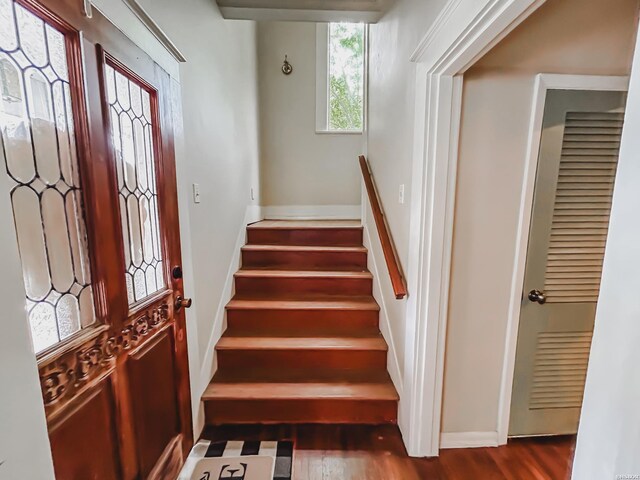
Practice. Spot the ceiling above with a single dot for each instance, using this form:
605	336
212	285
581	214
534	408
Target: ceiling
368	11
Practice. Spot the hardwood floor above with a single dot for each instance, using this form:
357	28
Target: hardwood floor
360	452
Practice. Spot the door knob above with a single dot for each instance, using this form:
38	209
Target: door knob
537	296
182	302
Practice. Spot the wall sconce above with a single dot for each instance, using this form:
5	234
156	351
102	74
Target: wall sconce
287	68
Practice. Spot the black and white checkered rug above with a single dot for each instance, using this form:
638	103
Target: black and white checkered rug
238	460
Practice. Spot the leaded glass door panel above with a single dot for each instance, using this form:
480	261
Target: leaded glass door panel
40	154
132	113
87	147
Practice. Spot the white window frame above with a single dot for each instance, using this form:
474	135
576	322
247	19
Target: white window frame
322	82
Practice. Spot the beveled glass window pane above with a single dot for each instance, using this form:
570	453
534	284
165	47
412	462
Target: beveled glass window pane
39	151
132	136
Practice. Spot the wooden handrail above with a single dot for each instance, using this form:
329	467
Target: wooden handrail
397	280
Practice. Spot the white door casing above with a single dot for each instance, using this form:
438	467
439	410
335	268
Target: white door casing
462	33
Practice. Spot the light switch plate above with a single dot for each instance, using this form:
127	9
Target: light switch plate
196	193
401	195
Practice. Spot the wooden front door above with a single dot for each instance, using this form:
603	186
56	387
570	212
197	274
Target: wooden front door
574	186
87	142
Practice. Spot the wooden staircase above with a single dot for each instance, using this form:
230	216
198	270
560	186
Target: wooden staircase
302	343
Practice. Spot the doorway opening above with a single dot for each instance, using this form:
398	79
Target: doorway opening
578	148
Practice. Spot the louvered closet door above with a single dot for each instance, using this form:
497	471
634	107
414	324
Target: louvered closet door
574	185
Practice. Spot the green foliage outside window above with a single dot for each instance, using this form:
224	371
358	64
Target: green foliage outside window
346	76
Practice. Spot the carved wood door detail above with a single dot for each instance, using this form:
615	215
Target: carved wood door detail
87	139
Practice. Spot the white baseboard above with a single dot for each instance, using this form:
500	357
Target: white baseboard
209	364
468	439
393	363
253	214
312	212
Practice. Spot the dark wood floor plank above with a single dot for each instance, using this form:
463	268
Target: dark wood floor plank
545	454
364	452
459	464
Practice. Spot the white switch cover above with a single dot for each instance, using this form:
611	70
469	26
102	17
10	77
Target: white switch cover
401	195
196	193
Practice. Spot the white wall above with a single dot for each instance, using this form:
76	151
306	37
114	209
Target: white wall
220	152
391	113
392	78
563	36
299	166
609	435
24	443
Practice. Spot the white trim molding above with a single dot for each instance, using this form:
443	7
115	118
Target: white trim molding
322	77
544	82
209	364
155	29
380	287
312	212
463	32
468	440
86	7
298	14
142	30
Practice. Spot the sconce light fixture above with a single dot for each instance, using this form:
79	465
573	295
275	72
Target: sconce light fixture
287	68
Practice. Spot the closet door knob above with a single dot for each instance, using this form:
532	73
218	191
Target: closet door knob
537	296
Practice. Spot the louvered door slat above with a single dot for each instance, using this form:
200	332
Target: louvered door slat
586	164
594	160
554	385
578	265
593	130
584	212
583	203
592	242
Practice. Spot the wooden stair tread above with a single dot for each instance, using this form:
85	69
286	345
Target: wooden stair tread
249	342
301	224
315	269
330	234
301	391
297	375
267	273
303	248
328	302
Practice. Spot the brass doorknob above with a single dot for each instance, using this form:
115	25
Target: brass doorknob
182	302
537	296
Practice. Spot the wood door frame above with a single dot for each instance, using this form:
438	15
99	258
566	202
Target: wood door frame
543	83
462	33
